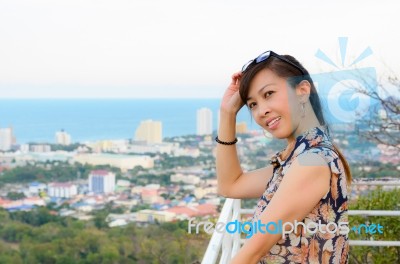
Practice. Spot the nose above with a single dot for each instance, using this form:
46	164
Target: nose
263	110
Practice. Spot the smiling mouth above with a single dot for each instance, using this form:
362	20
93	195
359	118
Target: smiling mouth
274	121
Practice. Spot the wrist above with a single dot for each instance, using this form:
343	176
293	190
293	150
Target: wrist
227	113
232	142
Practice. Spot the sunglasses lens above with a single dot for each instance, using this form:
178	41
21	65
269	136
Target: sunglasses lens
263	56
246	65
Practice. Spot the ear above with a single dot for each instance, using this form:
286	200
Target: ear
303	90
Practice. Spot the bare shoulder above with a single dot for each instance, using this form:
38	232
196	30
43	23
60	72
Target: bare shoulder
311	172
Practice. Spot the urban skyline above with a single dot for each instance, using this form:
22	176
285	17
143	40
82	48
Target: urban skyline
149	131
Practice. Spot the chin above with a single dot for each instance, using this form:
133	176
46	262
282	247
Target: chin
280	133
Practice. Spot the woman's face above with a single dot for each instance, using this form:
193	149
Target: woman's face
270	97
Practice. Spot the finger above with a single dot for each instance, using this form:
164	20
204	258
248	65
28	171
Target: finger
236	77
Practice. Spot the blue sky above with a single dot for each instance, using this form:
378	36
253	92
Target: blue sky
176	48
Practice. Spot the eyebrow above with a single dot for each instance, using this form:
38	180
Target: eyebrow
259	91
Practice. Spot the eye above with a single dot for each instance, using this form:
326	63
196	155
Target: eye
269	92
251	105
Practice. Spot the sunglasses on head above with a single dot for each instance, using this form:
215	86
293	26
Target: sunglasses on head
265	56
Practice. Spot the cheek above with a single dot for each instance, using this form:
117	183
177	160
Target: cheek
282	105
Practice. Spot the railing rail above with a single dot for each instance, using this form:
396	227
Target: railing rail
374	212
373	243
377	183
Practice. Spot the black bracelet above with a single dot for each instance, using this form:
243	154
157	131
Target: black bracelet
225	143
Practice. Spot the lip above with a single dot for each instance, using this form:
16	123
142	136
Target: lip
275	125
270	119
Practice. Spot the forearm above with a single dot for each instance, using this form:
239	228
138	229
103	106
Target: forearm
227	161
258	245
253	252
243	257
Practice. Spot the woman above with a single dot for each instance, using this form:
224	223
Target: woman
306	182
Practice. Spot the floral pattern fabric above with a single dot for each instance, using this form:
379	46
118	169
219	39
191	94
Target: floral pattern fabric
311	247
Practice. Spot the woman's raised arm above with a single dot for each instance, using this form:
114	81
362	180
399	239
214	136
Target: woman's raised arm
232	182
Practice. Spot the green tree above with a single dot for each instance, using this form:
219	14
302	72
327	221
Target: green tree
8	255
15	196
376	200
67	240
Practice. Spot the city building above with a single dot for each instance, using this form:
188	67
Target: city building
188	179
24	148
149	131
186	212
123	162
101	181
150	196
25	204
62	190
117	146
151	216
114	220
200	192
140	147
40	148
241	128
204	121
36	187
7	138
187	151
63	138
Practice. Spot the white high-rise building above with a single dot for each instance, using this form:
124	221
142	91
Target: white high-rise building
63	138
6	138
204	121
149	131
40	148
101	181
62	190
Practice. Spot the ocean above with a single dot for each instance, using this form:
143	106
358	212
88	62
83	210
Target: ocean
37	120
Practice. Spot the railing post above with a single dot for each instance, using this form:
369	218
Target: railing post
236	216
214	247
227	240
228	244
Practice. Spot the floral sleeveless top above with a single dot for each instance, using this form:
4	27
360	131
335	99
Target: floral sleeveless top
316	246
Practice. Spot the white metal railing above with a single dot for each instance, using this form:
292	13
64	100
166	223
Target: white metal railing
374	212
231	243
377	183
